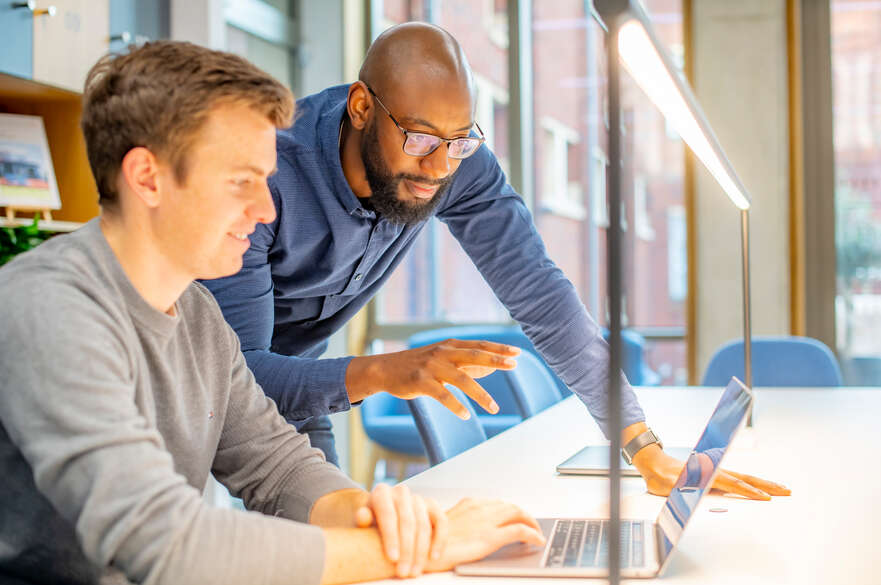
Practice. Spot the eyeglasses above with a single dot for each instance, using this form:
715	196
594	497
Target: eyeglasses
422	144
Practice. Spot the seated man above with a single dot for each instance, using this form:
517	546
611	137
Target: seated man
123	387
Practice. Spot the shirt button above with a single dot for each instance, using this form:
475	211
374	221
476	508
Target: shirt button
359	276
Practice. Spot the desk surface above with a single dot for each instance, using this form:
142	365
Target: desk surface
822	443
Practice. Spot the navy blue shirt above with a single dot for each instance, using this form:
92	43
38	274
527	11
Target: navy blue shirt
326	255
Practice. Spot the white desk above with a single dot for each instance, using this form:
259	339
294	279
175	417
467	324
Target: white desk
825	444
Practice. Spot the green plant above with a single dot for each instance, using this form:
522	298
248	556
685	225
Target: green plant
15	240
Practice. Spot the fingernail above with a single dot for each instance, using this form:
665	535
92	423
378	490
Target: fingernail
393	554
466	415
510	362
404	569
493	407
435	555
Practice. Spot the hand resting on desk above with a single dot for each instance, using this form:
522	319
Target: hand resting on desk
356	551
661	473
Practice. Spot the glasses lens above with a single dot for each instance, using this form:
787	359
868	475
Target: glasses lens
420	144
463	147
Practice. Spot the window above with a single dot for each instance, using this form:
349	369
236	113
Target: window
571	212
260	31
438	283
561	195
856	68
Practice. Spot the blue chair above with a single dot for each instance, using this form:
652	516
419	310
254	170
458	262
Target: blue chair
388	423
444	434
776	361
532	385
495	384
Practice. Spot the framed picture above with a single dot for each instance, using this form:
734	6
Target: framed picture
27	178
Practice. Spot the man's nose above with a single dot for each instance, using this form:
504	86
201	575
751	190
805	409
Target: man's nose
437	164
263	209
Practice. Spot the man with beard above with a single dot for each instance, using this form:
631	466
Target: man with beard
360	172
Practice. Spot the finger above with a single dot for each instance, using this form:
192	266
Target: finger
775	489
731	484
504	512
476	357
483	345
441	526
386	516
406	528
515	533
363	517
445	397
423	536
465	383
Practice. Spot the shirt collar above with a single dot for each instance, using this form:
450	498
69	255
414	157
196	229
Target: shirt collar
329	131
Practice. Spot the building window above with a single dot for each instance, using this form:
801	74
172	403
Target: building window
560	194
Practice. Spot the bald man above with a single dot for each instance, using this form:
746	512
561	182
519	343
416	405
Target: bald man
360	173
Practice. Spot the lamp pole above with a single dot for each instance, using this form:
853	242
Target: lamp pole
630	39
747	322
614	246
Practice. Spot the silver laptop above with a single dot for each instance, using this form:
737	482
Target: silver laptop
578	547
594	460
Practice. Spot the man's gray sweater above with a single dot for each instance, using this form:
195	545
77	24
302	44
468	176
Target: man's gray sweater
112	415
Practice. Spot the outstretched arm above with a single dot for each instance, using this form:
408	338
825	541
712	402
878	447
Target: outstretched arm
495	228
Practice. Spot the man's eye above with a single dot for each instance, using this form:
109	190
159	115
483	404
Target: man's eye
241	182
422	139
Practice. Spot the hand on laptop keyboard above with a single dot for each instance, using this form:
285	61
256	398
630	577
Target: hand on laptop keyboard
480	527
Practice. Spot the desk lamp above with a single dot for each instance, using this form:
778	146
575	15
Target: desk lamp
633	44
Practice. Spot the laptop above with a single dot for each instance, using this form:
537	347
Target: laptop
578	547
594	460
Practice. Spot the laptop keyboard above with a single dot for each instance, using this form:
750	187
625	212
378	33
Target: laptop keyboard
585	543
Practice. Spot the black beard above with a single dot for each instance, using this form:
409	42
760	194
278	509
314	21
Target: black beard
384	186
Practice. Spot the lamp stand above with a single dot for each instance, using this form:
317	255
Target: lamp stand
747	328
613	245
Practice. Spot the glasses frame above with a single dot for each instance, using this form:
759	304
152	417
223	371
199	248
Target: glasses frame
481	139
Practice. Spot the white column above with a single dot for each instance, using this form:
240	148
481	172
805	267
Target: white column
740	78
198	21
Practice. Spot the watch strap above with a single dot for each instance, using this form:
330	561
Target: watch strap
641	440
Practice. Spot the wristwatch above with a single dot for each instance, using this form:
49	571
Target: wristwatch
641	440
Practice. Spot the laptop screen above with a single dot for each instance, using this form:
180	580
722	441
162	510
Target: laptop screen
702	465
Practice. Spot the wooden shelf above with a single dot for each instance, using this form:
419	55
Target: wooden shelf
48	226
60	110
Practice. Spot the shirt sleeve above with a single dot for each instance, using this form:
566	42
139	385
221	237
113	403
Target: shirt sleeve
496	230
68	403
263	460
301	387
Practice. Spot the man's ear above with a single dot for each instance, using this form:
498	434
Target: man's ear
359	105
140	175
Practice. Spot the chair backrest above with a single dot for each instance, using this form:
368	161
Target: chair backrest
444	434
532	385
776	361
